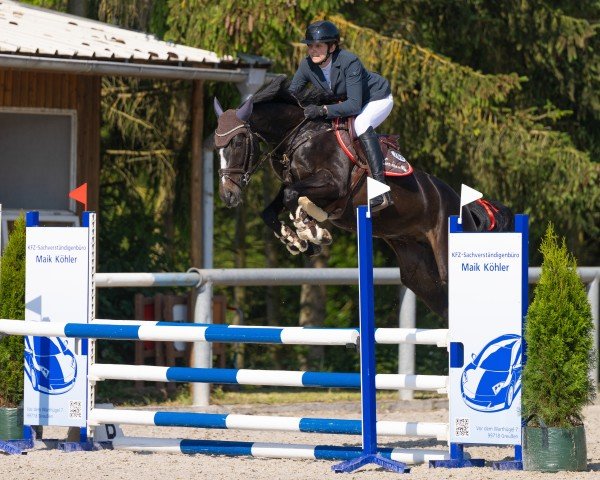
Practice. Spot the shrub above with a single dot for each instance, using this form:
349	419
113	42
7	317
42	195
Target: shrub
558	334
12	306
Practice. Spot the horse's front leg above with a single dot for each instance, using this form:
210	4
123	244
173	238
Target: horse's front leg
317	186
307	228
284	233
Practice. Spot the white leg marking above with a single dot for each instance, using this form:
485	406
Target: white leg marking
308	229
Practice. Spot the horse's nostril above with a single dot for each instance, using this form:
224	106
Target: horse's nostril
230	199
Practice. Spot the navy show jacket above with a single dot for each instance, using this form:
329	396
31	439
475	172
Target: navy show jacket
349	79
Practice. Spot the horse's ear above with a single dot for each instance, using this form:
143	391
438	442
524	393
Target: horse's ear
218	107
244	112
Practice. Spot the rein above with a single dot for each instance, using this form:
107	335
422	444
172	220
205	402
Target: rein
245	171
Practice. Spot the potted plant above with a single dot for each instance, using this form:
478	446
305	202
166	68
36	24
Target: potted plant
559	356
12	306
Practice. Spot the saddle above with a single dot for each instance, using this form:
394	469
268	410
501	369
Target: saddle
395	165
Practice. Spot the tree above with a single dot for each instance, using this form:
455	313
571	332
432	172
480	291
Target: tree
12	306
466	127
558	335
264	27
553	48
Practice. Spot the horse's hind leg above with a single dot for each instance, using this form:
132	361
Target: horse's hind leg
438	240
419	272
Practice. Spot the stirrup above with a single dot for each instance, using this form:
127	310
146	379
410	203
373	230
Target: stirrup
380	202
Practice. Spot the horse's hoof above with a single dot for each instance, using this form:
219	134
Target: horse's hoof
313	250
326	237
306	235
296	247
292	249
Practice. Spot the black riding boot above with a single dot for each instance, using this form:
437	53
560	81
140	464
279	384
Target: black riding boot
371	146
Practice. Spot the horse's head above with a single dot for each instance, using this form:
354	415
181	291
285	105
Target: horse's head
238	148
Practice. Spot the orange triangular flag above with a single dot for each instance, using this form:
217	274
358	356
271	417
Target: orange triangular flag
80	195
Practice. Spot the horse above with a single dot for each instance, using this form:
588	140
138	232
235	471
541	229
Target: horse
316	174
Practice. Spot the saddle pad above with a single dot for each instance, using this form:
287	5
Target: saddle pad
395	165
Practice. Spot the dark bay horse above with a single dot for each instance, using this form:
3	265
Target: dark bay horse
316	173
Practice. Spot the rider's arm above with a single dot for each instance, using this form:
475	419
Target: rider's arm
354	92
300	78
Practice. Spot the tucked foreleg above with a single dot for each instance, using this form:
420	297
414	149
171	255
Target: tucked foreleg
298	199
307	228
293	243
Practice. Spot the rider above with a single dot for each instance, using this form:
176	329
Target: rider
341	73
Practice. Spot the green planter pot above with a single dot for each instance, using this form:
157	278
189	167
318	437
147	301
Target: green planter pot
11	423
554	449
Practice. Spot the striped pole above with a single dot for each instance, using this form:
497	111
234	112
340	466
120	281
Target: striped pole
388	336
279	378
194	332
173	332
270	450
103	416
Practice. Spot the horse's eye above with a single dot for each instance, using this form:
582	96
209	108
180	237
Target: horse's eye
238	142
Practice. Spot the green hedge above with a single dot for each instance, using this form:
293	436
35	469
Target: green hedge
12	306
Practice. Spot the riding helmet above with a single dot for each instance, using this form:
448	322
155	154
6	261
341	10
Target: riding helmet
321	31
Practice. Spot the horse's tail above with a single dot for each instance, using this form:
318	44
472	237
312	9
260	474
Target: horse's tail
491	216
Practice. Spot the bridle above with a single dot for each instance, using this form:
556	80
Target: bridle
252	138
249	166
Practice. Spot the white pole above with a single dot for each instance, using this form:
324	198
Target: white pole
208	202
406	351
202	352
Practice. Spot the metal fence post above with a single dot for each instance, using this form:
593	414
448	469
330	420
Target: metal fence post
406	351
202	351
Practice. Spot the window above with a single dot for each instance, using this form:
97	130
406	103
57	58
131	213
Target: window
38	165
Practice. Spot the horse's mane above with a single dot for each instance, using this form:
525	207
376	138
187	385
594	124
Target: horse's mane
276	91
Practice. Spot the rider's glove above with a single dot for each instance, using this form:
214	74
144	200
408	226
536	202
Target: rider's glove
315	111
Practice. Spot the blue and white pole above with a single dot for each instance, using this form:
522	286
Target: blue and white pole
367	354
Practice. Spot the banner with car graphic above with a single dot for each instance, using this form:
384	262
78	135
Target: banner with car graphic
486	305
57	290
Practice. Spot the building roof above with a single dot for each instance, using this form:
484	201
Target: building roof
28	30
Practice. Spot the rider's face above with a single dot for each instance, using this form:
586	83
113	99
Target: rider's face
318	52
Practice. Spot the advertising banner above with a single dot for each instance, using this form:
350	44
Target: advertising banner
57	290
485	321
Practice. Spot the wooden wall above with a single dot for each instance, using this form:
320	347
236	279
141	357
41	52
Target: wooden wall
33	89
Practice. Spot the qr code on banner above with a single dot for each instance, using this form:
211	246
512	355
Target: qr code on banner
461	427
75	409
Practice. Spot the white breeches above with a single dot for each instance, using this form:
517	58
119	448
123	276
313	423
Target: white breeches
373	114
